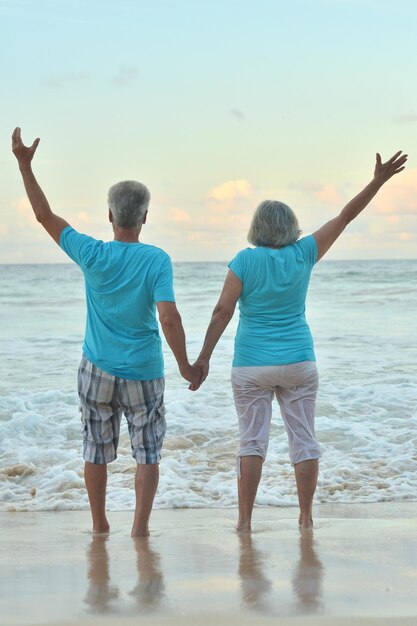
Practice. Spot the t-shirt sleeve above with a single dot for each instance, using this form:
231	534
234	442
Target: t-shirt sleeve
80	248
164	284
237	265
308	247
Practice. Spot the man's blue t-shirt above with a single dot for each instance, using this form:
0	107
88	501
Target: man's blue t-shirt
123	282
272	325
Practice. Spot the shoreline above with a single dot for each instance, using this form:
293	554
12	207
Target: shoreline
356	567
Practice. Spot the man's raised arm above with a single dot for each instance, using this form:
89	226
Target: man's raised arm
52	223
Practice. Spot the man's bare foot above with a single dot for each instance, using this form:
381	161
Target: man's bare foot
242	527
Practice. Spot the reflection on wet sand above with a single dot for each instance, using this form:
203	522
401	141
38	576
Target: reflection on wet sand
100	593
255	570
150	587
308	575
255	585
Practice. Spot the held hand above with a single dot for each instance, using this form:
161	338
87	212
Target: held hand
193	375
203	366
24	154
394	165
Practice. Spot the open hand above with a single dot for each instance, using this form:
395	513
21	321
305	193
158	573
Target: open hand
394	165
24	154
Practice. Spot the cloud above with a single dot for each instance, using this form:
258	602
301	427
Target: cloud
26	217
59	81
393	219
229	208
231	190
308	186
406	236
325	194
399	195
406	118
125	76
179	215
237	114
212	227
330	195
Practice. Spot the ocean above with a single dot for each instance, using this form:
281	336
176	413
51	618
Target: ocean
363	318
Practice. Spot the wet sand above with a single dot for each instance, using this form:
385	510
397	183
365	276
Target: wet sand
358	566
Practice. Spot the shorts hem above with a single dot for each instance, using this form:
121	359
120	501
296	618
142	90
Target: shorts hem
143	461
87	458
311	457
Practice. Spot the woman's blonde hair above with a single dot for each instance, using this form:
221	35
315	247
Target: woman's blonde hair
273	224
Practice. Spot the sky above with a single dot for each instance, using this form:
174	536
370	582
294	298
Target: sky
215	105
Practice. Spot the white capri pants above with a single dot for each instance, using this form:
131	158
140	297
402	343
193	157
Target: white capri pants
295	386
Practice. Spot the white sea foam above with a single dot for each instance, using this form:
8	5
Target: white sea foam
362	317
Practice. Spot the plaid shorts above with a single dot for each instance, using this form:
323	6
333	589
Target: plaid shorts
103	399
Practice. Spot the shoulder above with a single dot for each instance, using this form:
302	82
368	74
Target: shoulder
70	233
81	248
243	261
158	262
304	241
246	254
308	248
157	253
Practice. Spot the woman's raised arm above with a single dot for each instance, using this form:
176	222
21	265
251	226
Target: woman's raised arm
327	234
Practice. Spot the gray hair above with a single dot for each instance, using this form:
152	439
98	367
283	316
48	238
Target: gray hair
128	202
273	224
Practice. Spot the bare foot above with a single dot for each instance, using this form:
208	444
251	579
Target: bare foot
305	523
243	527
101	528
139	532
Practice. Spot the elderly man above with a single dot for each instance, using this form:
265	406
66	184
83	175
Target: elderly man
122	365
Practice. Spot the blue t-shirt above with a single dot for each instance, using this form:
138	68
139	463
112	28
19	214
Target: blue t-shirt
123	282
272	325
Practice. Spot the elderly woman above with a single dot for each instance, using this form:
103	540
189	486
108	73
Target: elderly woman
274	353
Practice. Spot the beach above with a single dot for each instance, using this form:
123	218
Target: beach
357	566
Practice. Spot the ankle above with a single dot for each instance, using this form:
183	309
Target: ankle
140	532
305	521
244	524
101	528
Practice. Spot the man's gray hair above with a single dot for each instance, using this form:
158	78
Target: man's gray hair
273	224
128	202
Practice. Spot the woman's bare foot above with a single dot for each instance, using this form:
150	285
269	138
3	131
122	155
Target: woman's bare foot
101	528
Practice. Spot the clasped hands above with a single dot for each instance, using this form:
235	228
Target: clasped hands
196	374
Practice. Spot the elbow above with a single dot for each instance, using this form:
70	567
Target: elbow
223	313
170	322
344	220
42	216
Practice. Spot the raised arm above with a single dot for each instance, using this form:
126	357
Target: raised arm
52	223
173	330
221	316
327	234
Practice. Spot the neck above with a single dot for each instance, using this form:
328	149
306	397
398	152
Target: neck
127	235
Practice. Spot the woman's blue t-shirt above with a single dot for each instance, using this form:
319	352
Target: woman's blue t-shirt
272	325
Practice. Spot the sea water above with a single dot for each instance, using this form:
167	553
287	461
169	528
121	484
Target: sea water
363	319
